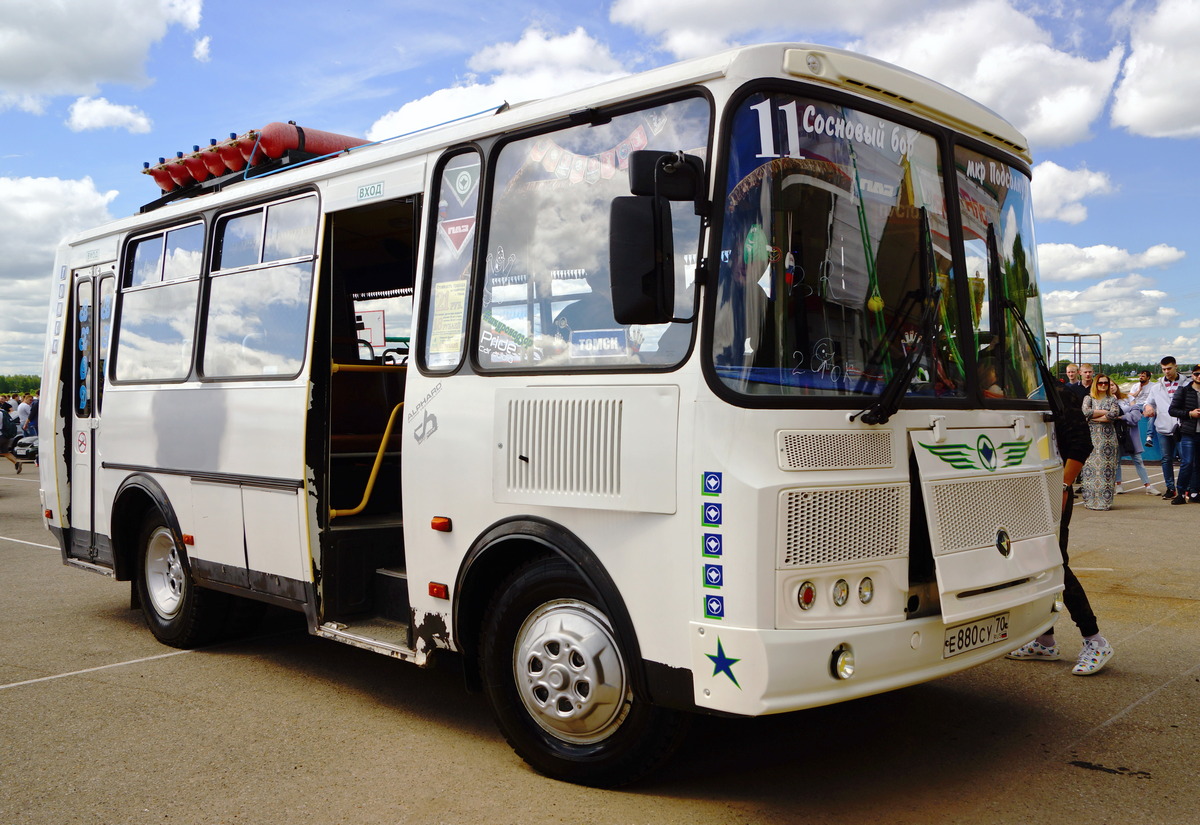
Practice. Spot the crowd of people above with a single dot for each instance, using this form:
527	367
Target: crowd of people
18	418
1098	426
1171	404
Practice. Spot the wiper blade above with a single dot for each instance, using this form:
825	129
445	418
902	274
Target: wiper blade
1005	303
889	400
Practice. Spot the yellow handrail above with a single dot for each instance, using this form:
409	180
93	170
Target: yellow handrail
335	367
387	433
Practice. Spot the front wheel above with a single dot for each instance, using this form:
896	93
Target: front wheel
178	612
560	686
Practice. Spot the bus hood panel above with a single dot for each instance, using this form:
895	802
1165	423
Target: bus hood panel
990	504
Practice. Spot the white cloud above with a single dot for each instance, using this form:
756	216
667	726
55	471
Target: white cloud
1068	262
1191	323
88	113
1159	92
1058	191
69	47
1130	302
691	28
538	65
36	214
203	50
990	51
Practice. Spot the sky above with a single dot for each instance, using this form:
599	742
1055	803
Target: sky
1106	91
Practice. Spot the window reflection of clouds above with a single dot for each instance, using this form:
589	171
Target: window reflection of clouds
257	322
241	241
185	253
291	229
147	262
553	194
157	325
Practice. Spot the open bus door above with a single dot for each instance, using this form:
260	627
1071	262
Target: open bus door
94	288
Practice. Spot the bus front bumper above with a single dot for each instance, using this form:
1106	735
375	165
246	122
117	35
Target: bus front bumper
752	672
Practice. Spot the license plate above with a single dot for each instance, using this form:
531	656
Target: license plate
976	634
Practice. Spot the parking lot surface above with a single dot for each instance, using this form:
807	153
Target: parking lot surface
99	723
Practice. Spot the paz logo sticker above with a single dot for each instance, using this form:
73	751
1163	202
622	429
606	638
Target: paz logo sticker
711	484
714	607
714	576
711	515
712	545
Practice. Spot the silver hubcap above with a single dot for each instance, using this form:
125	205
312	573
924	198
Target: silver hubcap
569	672
165	578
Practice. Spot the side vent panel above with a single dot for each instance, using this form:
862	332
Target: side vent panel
834	449
605	448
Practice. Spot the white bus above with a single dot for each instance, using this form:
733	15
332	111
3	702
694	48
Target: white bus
710	389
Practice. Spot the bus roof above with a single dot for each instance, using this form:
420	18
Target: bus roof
848	71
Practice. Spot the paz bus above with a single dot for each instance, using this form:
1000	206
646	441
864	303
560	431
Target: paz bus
714	389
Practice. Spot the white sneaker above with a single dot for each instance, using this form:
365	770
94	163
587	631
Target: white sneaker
1151	490
1095	655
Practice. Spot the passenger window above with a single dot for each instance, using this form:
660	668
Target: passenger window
159	292
257	318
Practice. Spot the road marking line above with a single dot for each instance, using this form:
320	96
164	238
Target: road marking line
1129	708
93	669
30	543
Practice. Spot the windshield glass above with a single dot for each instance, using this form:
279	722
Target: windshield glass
995	203
835	255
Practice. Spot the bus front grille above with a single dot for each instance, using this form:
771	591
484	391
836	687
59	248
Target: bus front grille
843	525
967	513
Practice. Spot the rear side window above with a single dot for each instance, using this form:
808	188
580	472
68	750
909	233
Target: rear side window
159	292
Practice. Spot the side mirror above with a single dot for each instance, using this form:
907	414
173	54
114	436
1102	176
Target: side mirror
641	260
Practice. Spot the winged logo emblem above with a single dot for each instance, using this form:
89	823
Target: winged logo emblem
983	456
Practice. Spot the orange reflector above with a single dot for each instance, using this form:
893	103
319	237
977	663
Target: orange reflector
188	539
441	524
49	514
439	590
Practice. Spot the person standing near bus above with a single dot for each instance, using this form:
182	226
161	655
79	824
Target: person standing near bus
1073	385
1185	407
1158	408
1075	445
1099	476
9	433
1129	440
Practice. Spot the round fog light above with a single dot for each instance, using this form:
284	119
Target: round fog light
866	590
841	592
842	663
806	595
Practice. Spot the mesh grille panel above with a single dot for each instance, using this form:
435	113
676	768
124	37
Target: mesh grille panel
969	512
857	524
834	450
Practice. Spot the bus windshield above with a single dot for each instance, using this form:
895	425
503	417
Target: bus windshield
836	272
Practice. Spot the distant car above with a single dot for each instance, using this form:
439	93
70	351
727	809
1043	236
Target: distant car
26	449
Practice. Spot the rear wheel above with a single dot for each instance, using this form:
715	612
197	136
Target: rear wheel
178	612
560	685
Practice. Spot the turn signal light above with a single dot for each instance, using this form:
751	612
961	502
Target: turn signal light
441	524
439	590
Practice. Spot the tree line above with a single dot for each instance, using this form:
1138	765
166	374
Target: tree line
20	383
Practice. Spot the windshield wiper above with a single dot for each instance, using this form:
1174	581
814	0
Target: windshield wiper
897	385
1049	384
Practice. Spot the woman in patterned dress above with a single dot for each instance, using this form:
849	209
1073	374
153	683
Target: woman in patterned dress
1099	476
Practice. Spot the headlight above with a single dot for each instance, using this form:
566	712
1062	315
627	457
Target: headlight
841	665
841	592
866	590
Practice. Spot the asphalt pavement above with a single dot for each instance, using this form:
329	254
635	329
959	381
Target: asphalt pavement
101	724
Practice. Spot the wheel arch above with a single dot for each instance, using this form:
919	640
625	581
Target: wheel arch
504	547
138	495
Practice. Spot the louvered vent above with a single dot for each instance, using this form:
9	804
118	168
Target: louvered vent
564	446
834	450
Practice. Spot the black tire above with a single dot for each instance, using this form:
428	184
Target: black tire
560	684
179	613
